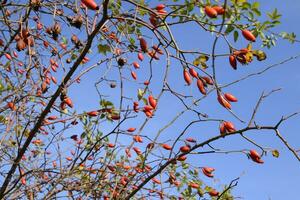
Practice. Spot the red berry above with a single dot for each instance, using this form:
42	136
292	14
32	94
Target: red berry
91	4
232	61
209	11
187	77
193	72
166	146
230	97
248	35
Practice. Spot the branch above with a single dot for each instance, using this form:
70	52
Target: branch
162	167
287	144
232	184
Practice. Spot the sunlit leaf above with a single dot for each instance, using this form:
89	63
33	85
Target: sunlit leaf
275	153
260	55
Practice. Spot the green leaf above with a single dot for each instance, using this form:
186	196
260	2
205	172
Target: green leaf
132	41
229	29
185	166
240	1
255	5
64	40
246	5
103	49
104	103
251	16
2	88
190	7
235	35
257	12
290	37
83	135
2	119
274	15
73	56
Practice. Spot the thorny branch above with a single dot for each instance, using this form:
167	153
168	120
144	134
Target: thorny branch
97	166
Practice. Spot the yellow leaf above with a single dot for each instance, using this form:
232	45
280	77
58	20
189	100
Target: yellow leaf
249	57
196	62
275	153
201	60
249	46
260	55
